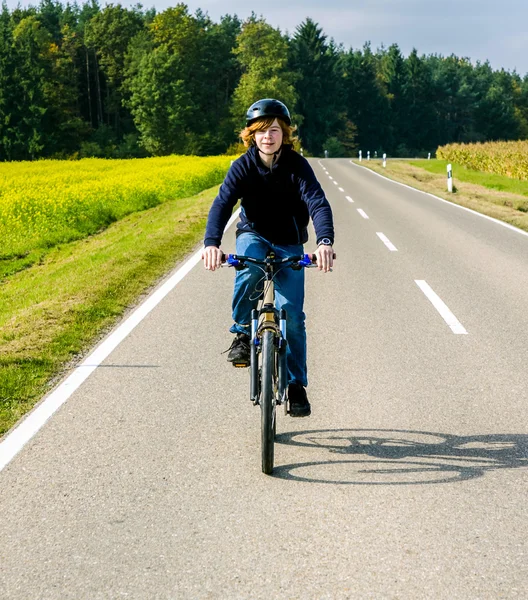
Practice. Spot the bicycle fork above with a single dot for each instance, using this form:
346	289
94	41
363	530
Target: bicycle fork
281	347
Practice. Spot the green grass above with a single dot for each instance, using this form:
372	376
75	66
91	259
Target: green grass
460	173
496	196
55	310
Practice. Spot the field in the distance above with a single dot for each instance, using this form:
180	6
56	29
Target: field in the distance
46	203
500	158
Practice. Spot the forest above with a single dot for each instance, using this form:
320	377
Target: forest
90	81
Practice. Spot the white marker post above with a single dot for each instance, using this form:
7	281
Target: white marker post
326	153
384	160
429	156
368	155
302	152
449	178
360	156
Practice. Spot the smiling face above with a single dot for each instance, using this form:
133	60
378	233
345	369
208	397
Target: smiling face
269	140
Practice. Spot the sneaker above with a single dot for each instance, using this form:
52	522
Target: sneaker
239	351
299	405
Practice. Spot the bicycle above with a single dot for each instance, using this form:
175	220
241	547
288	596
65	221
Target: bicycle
268	367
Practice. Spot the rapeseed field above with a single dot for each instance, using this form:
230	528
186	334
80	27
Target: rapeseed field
49	202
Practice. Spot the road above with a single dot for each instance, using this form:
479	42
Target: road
408	481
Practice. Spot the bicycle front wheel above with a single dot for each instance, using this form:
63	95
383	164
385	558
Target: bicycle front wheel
267	400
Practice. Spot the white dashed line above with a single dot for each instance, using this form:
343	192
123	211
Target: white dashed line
335	182
330	177
441	307
349	198
341	189
386	241
362	213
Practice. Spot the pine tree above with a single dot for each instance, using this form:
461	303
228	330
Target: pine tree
318	86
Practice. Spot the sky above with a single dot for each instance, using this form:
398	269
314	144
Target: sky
494	30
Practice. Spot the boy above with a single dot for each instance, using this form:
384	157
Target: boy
279	193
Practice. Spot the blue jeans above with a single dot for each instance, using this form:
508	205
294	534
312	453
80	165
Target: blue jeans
289	294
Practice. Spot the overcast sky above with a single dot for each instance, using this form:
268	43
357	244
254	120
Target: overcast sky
478	29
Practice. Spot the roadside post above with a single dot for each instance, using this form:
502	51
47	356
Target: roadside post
429	156
449	178
360	156
368	154
302	154
384	160
326	153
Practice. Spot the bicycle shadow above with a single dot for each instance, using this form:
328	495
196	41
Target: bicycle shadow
401	457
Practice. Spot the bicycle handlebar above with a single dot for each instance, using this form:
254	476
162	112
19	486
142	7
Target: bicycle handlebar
303	260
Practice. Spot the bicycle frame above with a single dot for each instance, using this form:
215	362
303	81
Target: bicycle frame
268	317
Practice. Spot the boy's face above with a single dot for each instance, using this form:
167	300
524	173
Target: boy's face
269	140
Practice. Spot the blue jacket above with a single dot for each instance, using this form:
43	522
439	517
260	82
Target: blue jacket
276	203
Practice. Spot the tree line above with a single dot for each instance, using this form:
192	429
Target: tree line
85	80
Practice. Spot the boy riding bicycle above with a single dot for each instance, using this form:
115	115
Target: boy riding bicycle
279	193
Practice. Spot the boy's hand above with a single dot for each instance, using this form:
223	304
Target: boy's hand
325	258
212	257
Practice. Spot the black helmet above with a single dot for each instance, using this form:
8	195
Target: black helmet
268	107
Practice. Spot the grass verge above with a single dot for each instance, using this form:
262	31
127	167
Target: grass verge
500	183
492	195
55	310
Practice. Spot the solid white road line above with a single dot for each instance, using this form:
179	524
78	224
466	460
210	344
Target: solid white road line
349	198
362	213
386	241
507	225
18	438
441	307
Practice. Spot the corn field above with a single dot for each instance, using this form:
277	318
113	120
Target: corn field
500	158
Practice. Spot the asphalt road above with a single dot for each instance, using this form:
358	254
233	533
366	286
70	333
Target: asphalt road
408	481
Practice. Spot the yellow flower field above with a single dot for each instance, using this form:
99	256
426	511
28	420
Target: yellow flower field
501	158
49	202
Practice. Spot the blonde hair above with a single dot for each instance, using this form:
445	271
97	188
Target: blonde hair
248	133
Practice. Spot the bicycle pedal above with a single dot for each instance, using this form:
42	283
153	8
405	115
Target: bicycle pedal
240	365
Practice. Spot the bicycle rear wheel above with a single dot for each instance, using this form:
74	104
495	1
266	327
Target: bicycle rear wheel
267	401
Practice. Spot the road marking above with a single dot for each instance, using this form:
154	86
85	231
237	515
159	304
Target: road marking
341	189
11	445
349	198
502	223
335	182
330	177
386	241
441	307
362	213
